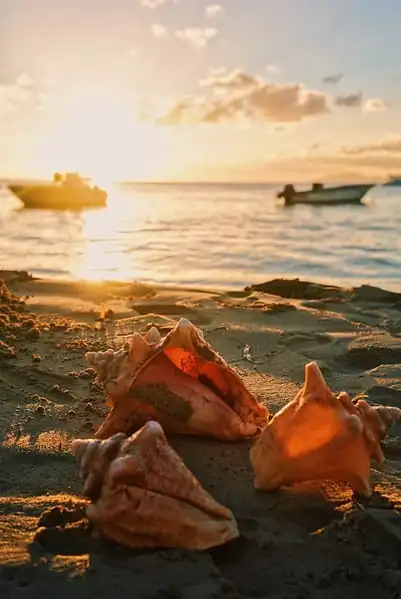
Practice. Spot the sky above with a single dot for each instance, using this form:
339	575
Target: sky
216	90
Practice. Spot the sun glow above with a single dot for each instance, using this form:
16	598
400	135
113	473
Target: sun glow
99	135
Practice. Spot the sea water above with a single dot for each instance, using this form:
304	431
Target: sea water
215	235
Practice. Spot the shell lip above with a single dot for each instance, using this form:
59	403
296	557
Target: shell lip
216	514
187	351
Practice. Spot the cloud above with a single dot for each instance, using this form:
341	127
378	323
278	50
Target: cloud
333	79
304	167
152	3
159	31
24	80
374	105
235	80
350	100
133	52
156	3
22	93
390	145
249	98
197	36
273	69
356	101
335	167
23	105
214	10
217	70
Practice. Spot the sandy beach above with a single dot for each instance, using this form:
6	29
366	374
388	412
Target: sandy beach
300	542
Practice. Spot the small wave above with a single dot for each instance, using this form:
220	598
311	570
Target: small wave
208	235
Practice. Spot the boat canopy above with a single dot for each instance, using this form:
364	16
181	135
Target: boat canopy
317	186
69	179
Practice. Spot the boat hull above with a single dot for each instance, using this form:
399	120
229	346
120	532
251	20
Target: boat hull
393	183
59	198
346	194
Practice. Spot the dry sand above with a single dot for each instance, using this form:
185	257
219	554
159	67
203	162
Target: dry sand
301	542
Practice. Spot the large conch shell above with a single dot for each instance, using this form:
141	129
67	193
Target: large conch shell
179	381
143	495
321	436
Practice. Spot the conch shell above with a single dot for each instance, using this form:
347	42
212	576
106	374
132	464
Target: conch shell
179	381
321	436
144	496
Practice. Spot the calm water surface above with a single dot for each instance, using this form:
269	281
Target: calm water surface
209	235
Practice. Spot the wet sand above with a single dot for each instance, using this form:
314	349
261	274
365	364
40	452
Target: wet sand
303	541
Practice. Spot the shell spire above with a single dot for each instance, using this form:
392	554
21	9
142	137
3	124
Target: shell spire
319	435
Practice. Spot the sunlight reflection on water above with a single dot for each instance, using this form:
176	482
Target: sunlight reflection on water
207	235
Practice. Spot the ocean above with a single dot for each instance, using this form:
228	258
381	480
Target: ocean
214	235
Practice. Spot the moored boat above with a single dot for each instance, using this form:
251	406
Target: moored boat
68	192
393	182
320	195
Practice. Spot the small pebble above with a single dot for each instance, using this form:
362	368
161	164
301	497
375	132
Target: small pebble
29	324
33	333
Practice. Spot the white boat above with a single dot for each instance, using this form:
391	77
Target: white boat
320	195
68	192
393	182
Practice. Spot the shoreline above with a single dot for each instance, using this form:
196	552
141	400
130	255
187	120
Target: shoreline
294	542
202	287
103	287
65	283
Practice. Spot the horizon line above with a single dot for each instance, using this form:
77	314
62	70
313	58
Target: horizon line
5	180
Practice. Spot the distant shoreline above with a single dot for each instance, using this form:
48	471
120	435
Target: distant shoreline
9	180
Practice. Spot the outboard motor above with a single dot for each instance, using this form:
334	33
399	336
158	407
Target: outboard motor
287	193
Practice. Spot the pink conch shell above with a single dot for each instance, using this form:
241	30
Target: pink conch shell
143	495
179	381
321	436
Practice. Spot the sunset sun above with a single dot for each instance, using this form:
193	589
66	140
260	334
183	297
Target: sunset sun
100	136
